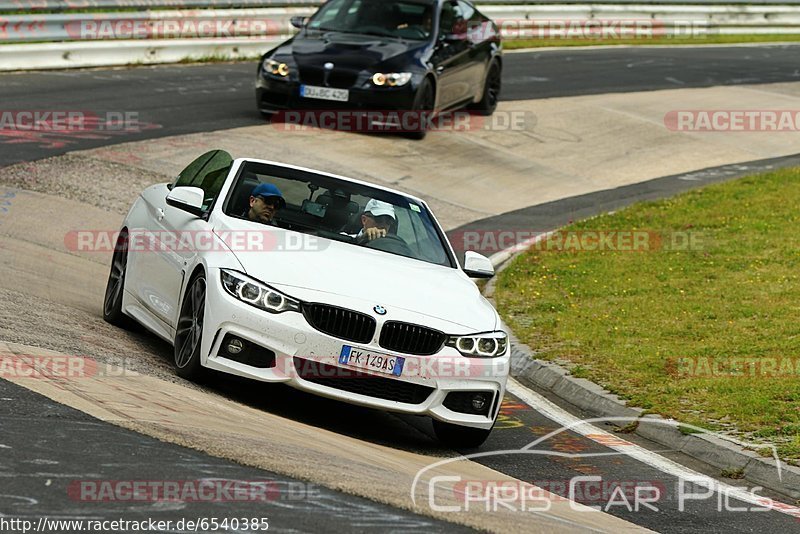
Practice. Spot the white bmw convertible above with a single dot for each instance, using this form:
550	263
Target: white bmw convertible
328	284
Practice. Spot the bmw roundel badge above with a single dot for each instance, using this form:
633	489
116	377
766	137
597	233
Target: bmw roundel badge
380	310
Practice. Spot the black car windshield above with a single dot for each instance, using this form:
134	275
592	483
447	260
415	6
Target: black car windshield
334	209
403	19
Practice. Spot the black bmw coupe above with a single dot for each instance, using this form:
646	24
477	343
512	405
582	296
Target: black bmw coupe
359	55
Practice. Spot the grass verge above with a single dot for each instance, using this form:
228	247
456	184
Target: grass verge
701	325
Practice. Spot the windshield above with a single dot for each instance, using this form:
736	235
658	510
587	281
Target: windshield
343	211
404	19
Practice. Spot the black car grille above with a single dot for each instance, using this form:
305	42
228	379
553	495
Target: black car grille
411	338
339	79
361	383
339	322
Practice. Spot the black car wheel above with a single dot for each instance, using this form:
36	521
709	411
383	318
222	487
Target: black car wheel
423	104
189	334
112	302
491	91
459	437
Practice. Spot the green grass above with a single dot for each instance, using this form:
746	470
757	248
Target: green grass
631	320
512	44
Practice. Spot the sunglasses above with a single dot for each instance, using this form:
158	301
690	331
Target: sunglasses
271	202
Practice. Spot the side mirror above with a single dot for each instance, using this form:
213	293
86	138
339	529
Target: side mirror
298	21
477	265
189	199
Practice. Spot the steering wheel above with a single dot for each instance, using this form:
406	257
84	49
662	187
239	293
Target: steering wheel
417	32
373	29
390	243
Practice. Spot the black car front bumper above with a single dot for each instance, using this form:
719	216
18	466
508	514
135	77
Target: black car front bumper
277	95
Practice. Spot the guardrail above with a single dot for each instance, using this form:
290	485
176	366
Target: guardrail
68	5
154	36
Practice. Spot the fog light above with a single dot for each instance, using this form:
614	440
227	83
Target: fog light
235	346
478	402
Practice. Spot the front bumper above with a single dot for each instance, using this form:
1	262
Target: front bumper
308	359
275	95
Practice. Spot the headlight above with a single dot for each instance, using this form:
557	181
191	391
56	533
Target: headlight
276	68
257	294
489	345
394	79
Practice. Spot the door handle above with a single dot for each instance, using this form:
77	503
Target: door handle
161	213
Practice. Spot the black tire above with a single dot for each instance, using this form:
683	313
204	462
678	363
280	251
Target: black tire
460	437
491	91
424	103
112	300
189	332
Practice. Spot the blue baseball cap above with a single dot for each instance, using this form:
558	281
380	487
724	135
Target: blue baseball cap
268	191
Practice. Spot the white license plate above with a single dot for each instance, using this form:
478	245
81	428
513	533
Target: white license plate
365	359
324	93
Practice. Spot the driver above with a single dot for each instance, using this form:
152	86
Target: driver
265	201
376	221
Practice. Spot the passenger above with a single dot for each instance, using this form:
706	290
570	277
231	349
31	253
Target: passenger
377	220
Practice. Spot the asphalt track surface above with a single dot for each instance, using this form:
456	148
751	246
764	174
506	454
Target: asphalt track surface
188	99
50	449
174	100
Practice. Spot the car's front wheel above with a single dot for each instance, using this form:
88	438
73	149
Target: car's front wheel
112	302
460	437
189	334
491	90
424	103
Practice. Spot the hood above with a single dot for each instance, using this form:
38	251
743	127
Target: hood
319	269
353	52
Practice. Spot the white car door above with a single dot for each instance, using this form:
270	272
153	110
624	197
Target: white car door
174	237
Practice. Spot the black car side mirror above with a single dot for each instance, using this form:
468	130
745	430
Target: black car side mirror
298	21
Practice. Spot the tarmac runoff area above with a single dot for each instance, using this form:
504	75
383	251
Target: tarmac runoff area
570	146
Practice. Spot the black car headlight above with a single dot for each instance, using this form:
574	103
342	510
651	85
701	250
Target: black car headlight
487	345
256	293
392	79
276	68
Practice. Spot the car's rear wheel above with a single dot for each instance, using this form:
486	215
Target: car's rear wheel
424	103
112	302
491	90
460	437
189	333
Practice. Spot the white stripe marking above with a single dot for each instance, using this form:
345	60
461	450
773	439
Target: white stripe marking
647	457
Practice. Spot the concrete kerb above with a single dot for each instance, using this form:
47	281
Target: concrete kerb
725	454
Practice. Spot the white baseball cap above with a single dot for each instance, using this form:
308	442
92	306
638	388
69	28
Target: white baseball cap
378	207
